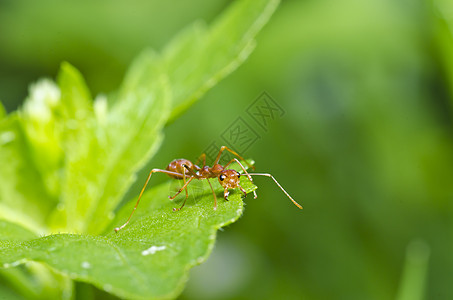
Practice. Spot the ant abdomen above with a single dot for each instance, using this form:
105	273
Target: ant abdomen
179	166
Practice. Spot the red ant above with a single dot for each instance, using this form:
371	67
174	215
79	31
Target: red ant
228	178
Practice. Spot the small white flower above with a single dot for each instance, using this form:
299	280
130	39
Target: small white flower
100	108
44	95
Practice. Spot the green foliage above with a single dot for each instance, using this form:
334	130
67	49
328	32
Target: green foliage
201	56
365	143
149	258
68	159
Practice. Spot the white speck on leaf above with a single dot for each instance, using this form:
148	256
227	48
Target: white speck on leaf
86	265
152	250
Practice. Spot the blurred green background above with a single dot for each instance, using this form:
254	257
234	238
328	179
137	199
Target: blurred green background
365	143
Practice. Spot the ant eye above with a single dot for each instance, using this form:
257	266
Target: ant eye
222	177
239	175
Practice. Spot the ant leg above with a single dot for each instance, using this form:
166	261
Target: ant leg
181	189
242	190
245	172
141	193
232	152
213	193
184	187
226	193
202	157
187	195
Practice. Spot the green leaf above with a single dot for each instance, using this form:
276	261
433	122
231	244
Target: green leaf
23	199
444	40
133	128
80	181
104	147
6	293
69	161
13	232
200	57
35	280
42	125
76	97
149	258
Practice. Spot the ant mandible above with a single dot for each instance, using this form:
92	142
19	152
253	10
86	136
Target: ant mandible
228	178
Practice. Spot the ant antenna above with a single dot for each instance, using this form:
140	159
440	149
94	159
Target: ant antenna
275	180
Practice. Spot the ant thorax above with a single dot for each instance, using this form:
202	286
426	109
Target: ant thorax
204	172
210	172
217	169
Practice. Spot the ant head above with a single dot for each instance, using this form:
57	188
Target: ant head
229	179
